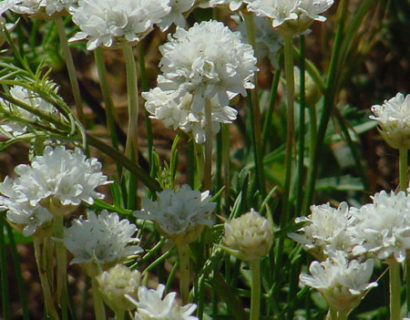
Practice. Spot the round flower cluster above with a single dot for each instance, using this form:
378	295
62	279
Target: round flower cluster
104	22
55	183
290	17
232	4
179	215
38	7
104	239
393	117
30	98
250	235
152	305
197	71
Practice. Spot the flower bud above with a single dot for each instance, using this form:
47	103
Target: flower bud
250	235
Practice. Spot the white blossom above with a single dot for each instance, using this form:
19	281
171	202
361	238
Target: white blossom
178	7
393	117
32	7
290	16
341	282
326	230
177	112
118	282
104	22
251	235
179	214
151	305
102	238
30	98
232	4
220	66
383	227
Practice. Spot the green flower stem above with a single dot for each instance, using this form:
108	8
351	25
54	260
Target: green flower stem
207	179
332	314
119	314
256	118
183	254
394	275
99	309
106	93
45	285
403	168
4	284
61	259
226	162
343	315
70	69
255	266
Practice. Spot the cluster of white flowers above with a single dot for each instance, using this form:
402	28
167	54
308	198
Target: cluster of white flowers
104	22
35	7
55	183
232	4
341	282
104	239
30	98
250	235
175	16
393	117
196	71
179	214
151	305
290	16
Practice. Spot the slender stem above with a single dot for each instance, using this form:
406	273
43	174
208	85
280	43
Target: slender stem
226	163
183	254
61	259
403	168
99	309
255	266
207	179
70	69
255	114
106	93
332	315
5	297
119	315
343	315
394	274
132	91
45	285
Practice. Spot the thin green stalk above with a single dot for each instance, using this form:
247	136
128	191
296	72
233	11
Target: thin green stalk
207	179
226	163
328	103
332	315
70	69
42	272
119	315
301	139
191	163
255	266
394	277
255	114
106	93
403	168
17	268
343	315
183	255
5	298
99	309
61	259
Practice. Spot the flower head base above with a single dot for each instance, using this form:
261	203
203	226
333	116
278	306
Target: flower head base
118	282
250	235
393	117
30	98
179	215
383	227
221	68
151	305
326	230
105	22
177	113
290	17
102	239
341	282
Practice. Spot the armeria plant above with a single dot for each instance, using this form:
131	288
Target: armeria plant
264	171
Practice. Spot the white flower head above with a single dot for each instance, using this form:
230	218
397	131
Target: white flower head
179	215
30	98
341	282
104	22
221	66
383	227
326	230
151	305
251	235
233	5
290	16
102	238
178	7
118	282
393	117
176	112
38	7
